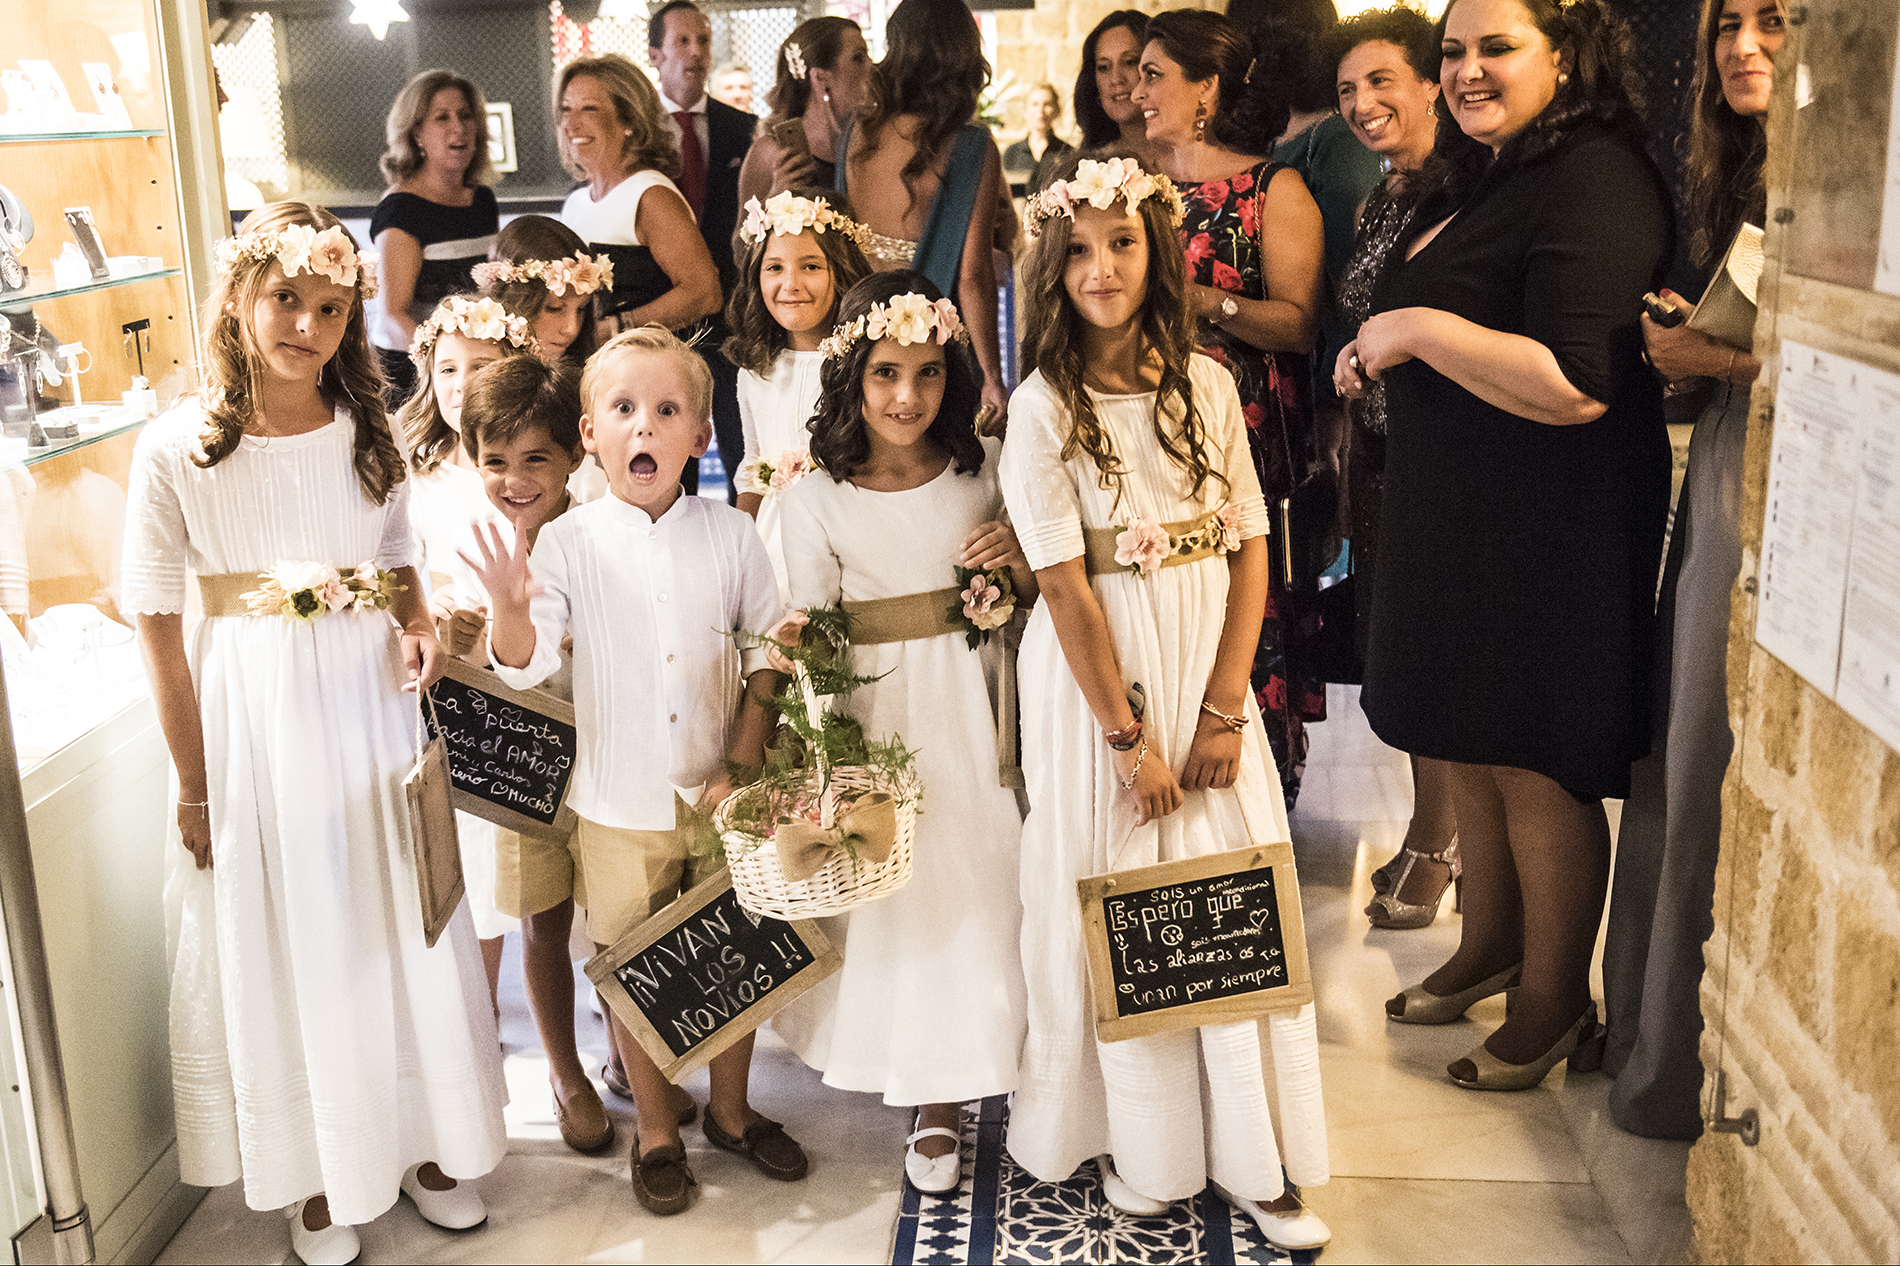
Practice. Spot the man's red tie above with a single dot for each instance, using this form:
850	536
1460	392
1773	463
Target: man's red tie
692	163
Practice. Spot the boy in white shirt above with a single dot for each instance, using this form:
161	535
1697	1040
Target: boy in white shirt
648	581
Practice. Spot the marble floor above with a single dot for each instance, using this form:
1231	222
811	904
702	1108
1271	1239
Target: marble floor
1422	1170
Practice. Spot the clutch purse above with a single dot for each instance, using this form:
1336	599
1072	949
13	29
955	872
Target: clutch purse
1727	311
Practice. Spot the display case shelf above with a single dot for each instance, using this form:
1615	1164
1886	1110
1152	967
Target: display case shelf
24	298
14	450
86	134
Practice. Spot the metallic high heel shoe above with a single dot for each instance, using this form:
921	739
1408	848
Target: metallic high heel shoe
1387	911
1581	1044
1418	1005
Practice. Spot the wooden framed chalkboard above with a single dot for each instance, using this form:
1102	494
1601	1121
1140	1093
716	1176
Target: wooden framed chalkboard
704	972
511	752
1203	940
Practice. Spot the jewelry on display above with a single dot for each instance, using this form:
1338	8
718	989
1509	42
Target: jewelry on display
1124	739
1234	723
1136	771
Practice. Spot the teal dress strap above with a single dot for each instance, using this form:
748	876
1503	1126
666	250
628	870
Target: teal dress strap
940	249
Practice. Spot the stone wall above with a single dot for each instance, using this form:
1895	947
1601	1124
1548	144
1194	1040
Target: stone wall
1802	996
1044	44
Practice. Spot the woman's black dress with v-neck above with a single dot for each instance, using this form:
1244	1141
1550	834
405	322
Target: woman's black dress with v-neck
1518	560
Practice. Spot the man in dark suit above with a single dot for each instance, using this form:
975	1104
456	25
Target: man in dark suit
713	139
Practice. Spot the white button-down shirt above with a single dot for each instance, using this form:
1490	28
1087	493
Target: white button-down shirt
657	680
701	127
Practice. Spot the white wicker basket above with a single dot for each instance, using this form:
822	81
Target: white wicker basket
838	885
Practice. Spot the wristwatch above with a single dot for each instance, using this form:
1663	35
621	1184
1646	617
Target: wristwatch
1228	309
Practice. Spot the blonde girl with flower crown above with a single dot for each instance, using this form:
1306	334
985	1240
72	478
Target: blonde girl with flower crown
1127	474
802	252
903	522
320	1051
462	335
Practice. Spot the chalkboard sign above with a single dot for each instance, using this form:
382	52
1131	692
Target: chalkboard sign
511	752
704	972
1204	940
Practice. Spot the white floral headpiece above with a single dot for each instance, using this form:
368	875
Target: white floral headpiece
301	249
787	215
1098	184
909	318
471	318
795	59
580	272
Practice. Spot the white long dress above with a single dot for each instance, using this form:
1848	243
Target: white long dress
773	411
446	501
928	1007
1183	1106
316	1045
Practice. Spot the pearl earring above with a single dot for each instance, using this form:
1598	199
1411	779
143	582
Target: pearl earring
1563	77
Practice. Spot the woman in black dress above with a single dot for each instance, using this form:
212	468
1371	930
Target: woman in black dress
438	219
1527	480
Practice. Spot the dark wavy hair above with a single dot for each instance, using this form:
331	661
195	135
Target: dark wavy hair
820	42
529	237
1252	107
1723	154
1408	29
933	68
757	339
1601	91
233	373
840	437
1097	128
1057	340
1290	40
519	393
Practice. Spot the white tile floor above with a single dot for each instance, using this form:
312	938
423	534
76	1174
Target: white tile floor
1423	1171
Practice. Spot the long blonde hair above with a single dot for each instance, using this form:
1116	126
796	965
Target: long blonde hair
648	142
234	365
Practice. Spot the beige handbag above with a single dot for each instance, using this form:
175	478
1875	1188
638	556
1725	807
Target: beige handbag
432	826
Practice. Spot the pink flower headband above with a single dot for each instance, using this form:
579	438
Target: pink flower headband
582	273
298	248
482	319
909	318
1098	184
787	215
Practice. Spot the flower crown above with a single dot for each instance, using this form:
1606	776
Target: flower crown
580	272
471	318
787	215
301	249
795	59
1098	184
909	318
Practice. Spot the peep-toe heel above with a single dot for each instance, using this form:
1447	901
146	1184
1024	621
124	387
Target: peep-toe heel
1418	1005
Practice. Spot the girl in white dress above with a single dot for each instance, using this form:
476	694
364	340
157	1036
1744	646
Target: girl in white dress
928	1007
461	336
1121	430
319	1051
802	254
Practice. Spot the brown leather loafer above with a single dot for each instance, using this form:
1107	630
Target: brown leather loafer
661	1182
765	1144
585	1125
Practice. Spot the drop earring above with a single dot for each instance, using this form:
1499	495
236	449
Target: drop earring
1200	121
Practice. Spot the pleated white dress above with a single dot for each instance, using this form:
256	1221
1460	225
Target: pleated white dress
444	505
774	412
316	1045
1231	1101
928	1007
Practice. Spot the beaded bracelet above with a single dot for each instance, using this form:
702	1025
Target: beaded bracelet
1136	771
1234	723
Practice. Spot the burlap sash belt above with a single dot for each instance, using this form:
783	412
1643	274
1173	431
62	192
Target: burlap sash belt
916	616
223	594
1099	546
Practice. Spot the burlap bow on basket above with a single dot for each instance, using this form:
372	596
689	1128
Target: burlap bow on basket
866	830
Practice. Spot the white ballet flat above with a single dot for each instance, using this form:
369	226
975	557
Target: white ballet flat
1126	1198
1295	1230
934	1174
334	1245
457	1209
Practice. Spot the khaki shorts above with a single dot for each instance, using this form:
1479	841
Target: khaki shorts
620	877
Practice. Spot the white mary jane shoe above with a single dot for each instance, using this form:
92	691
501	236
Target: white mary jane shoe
934	1174
1296	1230
332	1246
460	1208
1118	1193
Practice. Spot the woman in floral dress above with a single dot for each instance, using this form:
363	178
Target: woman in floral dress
1258	297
